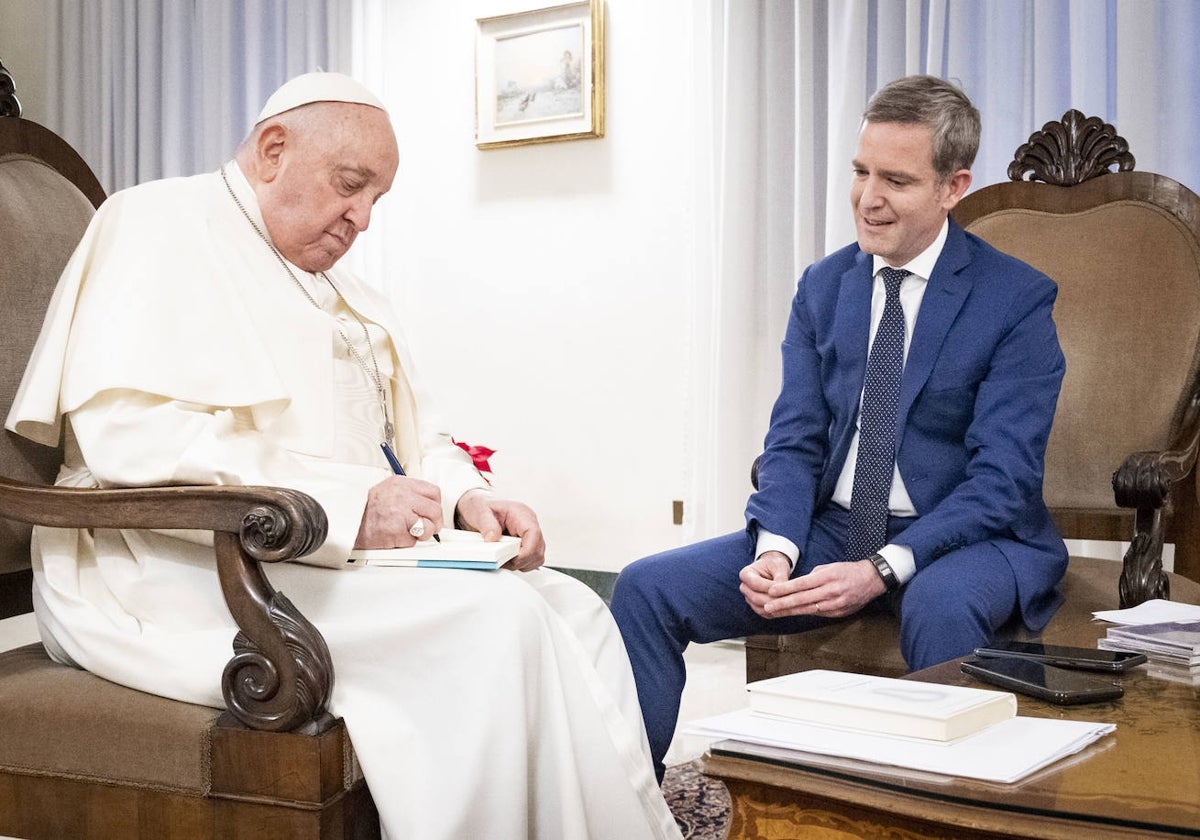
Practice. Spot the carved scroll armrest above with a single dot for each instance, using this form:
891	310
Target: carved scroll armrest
281	674
1143	482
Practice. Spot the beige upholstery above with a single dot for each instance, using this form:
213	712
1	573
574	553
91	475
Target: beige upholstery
60	720
1130	341
99	730
42	216
1124	248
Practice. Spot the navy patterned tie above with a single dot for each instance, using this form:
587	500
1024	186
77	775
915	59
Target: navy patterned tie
877	427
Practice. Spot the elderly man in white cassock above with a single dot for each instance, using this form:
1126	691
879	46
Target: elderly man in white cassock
204	333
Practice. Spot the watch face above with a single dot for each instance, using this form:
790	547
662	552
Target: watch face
885	572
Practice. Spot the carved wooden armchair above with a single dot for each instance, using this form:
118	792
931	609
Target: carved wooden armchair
1124	248
84	758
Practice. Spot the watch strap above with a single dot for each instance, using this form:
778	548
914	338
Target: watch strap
890	581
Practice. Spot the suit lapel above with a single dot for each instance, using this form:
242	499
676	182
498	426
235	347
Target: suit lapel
944	296
852	328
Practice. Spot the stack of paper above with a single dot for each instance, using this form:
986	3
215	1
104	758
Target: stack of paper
1154	611
1171	642
930	727
1005	752
1168	658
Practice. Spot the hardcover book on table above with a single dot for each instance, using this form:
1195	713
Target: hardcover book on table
456	550
881	704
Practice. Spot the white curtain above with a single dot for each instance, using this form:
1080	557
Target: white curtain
148	89
780	86
753	181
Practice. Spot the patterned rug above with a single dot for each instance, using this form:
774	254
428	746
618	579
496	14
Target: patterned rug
700	804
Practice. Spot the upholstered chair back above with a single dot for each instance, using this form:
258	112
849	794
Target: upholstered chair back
1128	316
1124	248
43	214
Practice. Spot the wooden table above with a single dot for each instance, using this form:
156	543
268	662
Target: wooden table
1142	781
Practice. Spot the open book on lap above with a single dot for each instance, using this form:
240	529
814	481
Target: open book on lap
457	550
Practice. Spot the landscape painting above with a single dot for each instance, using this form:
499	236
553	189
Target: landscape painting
539	75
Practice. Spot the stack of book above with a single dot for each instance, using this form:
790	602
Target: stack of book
819	718
1172	648
881	705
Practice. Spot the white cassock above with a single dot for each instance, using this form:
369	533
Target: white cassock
495	705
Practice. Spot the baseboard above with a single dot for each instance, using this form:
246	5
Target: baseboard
601	583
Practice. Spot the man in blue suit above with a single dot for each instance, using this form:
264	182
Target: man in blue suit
922	496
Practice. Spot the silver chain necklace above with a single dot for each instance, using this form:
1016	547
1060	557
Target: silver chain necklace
371	372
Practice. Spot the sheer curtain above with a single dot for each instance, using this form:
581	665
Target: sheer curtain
780	86
148	89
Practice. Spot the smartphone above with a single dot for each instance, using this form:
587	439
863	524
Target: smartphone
1045	682
1087	659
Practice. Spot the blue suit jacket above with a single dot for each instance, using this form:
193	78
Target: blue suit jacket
977	399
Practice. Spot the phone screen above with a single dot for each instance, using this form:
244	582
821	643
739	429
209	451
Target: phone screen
1046	682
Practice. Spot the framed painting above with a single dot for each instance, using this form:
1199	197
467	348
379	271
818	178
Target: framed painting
539	75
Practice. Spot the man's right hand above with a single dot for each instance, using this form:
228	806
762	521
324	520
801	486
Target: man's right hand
768	568
393	507
832	590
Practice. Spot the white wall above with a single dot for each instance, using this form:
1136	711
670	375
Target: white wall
546	288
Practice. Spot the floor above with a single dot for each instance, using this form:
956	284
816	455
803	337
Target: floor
17	631
716	683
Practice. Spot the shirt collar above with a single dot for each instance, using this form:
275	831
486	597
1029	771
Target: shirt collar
922	264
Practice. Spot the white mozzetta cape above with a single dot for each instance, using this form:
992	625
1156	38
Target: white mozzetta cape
172	293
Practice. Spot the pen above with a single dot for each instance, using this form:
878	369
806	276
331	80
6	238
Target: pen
394	462
391	458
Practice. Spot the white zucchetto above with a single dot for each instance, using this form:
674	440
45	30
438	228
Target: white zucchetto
317	87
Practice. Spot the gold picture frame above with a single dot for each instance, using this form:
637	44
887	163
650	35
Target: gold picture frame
539	75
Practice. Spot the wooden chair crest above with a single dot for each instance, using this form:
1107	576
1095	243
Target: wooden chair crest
1070	151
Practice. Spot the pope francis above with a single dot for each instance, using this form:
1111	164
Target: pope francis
203	333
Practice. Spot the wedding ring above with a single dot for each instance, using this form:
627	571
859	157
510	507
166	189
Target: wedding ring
818	606
418	528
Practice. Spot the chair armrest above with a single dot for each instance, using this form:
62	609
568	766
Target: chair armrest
1144	482
281	674
1144	479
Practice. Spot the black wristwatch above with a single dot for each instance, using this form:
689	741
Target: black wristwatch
890	581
